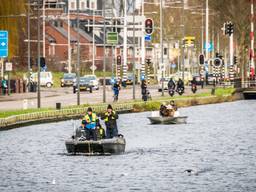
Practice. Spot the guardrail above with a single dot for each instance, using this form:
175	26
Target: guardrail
19	120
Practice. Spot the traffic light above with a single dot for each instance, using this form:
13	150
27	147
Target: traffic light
201	59
229	28
235	60
149	26
119	60
148	61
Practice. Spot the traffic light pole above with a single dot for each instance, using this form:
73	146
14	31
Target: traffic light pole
231	55
133	53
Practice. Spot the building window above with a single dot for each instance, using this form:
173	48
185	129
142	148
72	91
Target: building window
93	5
88	3
72	5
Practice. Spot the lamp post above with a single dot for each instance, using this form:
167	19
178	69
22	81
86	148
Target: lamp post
104	57
38	56
69	46
161	44
44	28
206	31
78	53
133	53
28	26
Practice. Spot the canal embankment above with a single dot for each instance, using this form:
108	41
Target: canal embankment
51	115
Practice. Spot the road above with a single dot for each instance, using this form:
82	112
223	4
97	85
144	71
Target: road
65	96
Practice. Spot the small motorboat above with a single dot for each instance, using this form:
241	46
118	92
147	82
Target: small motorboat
168	120
157	119
78	144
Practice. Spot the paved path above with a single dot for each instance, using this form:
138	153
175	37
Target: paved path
65	96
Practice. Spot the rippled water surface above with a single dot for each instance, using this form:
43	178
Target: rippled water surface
218	145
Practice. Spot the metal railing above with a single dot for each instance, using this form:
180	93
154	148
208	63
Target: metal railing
57	114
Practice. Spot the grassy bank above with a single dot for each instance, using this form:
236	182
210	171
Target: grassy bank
138	104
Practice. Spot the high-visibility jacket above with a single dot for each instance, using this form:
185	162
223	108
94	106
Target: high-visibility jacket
112	117
90	121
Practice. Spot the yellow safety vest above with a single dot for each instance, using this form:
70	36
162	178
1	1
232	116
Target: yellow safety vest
107	118
88	120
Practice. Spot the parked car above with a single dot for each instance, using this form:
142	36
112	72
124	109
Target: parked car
46	79
85	85
68	79
94	81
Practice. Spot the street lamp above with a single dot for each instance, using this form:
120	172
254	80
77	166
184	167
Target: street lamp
161	42
78	53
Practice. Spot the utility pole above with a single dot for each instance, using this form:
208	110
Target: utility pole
161	45
142	71
252	67
133	53
207	32
125	43
78	53
69	47
93	44
44	28
104	57
182	42
38	56
28	26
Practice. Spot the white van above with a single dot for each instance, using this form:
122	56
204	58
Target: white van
46	78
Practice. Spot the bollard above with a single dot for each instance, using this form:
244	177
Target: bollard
25	104
213	91
58	106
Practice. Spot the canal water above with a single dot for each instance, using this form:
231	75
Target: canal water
214	152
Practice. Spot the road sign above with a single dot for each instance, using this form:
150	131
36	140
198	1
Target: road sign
148	38
8	66
112	38
173	65
208	47
3	43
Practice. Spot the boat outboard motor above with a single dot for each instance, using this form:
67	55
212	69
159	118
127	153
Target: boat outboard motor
79	132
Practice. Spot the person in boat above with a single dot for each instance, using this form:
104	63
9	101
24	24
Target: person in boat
89	123
174	108
110	118
163	110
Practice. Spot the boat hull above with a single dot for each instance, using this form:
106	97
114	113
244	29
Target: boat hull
168	120
104	146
